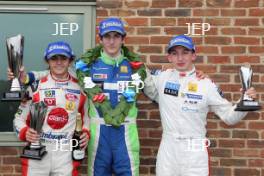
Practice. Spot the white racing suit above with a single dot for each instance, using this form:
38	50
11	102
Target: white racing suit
64	100
184	102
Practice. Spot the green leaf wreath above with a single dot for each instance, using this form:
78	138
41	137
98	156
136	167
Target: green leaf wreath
113	116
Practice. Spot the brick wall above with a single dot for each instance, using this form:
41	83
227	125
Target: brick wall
236	36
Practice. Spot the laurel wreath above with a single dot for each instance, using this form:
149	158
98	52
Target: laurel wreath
113	116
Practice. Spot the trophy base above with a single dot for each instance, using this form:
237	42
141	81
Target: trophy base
248	106
34	153
12	96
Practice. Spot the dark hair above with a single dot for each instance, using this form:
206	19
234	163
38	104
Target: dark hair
101	36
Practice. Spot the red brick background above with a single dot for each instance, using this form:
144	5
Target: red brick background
236	36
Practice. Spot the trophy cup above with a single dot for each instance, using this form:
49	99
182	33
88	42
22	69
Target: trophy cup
36	150
246	103
15	47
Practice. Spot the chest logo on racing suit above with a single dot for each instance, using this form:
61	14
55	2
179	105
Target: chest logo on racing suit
50	101
57	118
70	105
192	87
73	91
189	109
100	76
190	102
171	88
194	96
123	69
71	97
191	96
49	93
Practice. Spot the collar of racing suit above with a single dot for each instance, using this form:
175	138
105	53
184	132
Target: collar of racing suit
187	73
110	60
60	80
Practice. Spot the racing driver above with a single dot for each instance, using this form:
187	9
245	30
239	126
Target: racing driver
184	102
64	99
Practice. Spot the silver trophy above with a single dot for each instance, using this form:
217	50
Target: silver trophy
246	103
38	113
15	46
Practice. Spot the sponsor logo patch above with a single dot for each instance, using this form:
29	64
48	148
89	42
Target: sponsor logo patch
71	97
34	85
57	118
49	93
171	88
155	72
192	87
50	101
73	91
100	76
188	109
123	69
190	102
220	92
70	105
194	96
51	135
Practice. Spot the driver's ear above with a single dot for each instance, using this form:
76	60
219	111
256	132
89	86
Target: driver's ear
169	58
71	62
100	38
193	56
123	39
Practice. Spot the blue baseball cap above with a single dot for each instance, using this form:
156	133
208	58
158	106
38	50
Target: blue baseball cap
58	48
181	40
111	25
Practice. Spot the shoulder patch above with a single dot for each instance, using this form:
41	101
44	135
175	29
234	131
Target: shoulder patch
155	72
34	85
218	90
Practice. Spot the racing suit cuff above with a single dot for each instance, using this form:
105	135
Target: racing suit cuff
87	132
22	133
